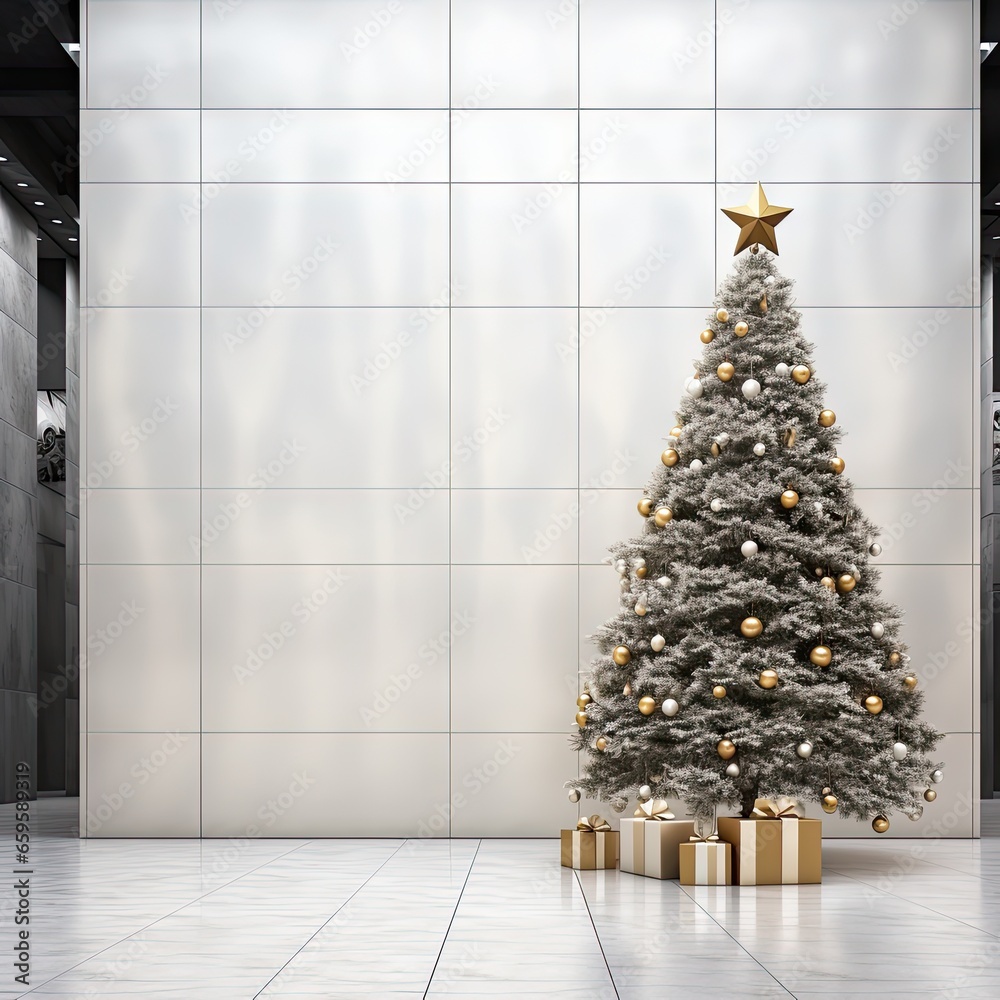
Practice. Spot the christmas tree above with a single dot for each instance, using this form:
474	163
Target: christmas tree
753	654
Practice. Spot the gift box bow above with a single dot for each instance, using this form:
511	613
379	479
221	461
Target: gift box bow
781	808
593	824
712	838
653	809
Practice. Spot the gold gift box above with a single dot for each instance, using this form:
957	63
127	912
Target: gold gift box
650	847
706	862
801	851
588	848
775	847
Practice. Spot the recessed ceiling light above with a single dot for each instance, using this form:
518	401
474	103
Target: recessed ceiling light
996	237
39	202
3	159
21	184
57	222
72	239
72	46
40	239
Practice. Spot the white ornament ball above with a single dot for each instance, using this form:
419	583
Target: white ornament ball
574	795
749	548
937	775
916	814
733	770
878	630
645	792
899	751
769	280
640	608
782	370
751	388
622	567
697	465
657	643
670	708
723	439
695	388
804	749
759	450
664	581
875	549
716	505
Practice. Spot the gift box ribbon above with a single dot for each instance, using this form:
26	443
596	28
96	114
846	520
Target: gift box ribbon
712	838
593	824
781	808
653	809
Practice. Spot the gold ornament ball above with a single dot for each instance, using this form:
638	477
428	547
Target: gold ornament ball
895	658
725	371
722	316
707	336
829	583
602	743
663	516
768	679
822	656
846	583
837	465
827	418
583	701
726	749
751	627
675	431
801	374
789	499
719	691
641	572
669	457
741	329
930	795
581	719
640	609
873	703
829	803
621	655
647	705
716	449
880	824
909	681
645	506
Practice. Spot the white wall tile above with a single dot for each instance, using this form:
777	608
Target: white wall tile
919	527
519	47
139	146
143	53
306	648
524	638
514	244
142	244
144	368
142	526
902	352
142	785
843	146
299	54
515	145
610	517
514	526
316	527
644	145
314	377
510	384
323	245
839	237
628	253
511	783
868	55
941	630
311	784
644	54
303	146
143	660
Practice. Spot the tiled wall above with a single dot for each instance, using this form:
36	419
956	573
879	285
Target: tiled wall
407	293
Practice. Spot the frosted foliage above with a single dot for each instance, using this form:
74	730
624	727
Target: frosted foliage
713	587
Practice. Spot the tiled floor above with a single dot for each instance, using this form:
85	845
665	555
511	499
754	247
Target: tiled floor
467	918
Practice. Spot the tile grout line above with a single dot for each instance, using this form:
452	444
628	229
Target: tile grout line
597	935
458	902
315	933
174	912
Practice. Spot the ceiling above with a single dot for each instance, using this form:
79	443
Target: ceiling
40	118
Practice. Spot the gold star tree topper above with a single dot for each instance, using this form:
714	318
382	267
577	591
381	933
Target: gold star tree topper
756	220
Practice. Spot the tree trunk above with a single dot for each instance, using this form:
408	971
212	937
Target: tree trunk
749	797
